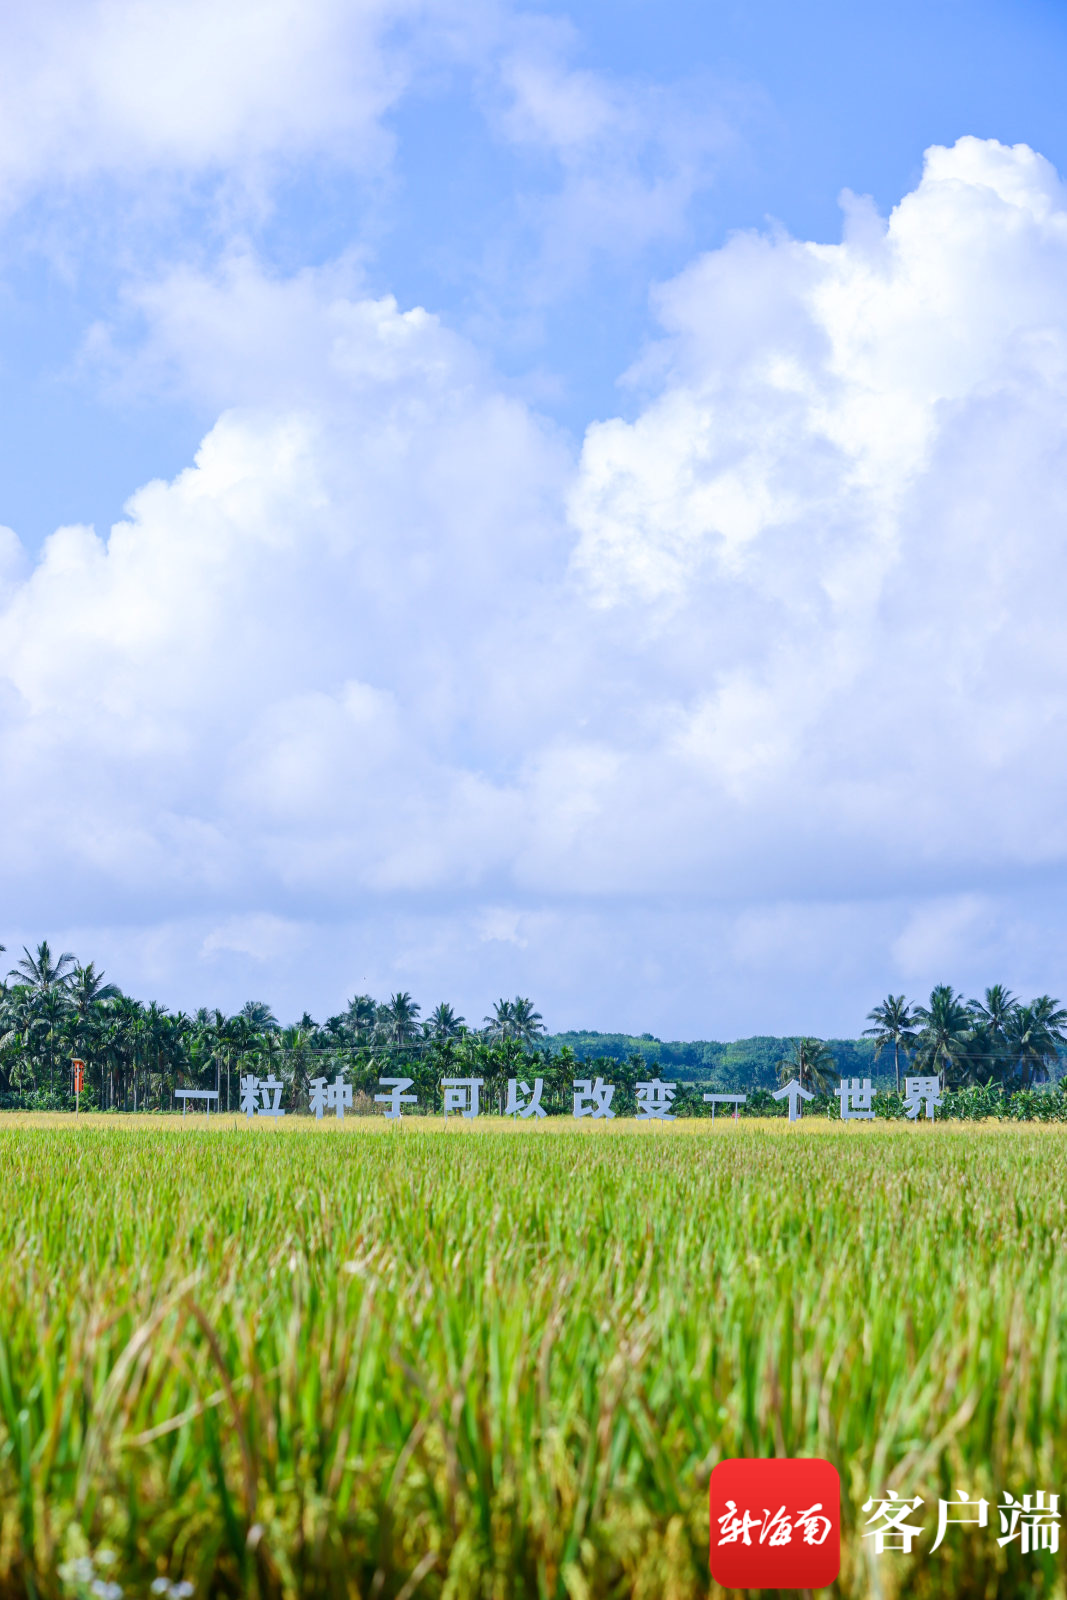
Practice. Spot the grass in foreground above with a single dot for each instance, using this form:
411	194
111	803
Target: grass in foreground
491	1361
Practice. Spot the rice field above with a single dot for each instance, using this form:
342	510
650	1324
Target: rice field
486	1361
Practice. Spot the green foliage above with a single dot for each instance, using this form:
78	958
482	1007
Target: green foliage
485	1363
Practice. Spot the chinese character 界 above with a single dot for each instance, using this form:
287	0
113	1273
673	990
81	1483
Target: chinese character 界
396	1096
597	1093
918	1089
654	1101
526	1104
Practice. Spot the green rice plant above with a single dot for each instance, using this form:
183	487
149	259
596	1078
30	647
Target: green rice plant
478	1362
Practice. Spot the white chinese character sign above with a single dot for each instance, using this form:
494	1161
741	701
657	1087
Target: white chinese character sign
461	1094
524	1101
592	1098
261	1097
856	1099
919	1092
654	1101
396	1096
794	1094
333	1096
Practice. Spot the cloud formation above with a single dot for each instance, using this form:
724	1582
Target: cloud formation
763	694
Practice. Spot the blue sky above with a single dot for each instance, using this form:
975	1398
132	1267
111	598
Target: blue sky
549	556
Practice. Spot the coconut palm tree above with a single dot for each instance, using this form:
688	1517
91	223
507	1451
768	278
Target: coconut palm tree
894	1024
88	995
810	1057
514	1019
992	1018
442	1023
526	1023
1034	1034
259	1016
945	1035
42	971
361	1014
398	1018
46	977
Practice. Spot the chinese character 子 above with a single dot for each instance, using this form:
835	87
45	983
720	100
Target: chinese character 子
525	1104
1034	1521
461	1094
250	1095
396	1096
895	1532
794	1094
592	1098
964	1500
917	1090
855	1101
654	1101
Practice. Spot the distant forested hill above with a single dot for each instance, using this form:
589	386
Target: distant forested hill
746	1063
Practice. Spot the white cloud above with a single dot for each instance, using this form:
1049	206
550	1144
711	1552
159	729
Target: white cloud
791	684
627	157
124	87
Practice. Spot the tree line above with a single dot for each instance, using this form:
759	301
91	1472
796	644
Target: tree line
54	1011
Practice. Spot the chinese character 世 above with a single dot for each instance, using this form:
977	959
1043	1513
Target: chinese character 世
855	1101
918	1089
654	1101
461	1094
895	1533
597	1093
396	1096
526	1104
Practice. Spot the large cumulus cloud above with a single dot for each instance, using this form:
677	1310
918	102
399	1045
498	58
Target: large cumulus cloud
752	708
